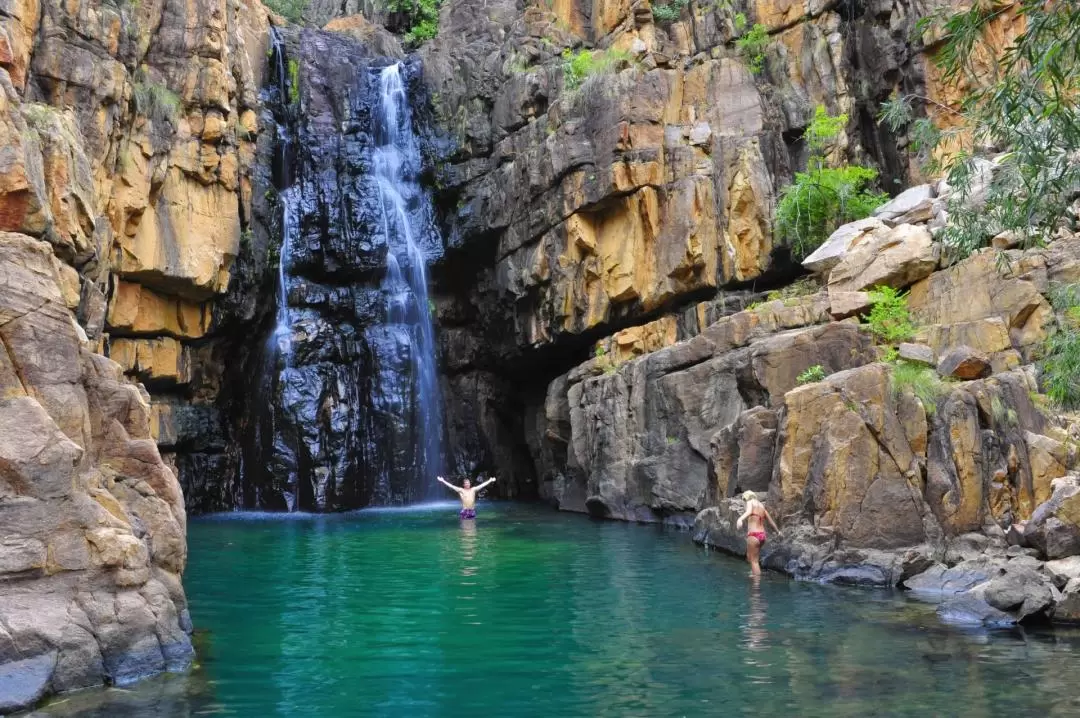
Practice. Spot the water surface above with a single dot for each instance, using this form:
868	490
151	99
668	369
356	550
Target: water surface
529	612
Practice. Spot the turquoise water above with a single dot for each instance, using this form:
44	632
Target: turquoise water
529	612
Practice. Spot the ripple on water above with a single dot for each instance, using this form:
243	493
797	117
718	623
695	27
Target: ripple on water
528	612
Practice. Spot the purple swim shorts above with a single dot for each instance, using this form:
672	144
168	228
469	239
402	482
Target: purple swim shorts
468	513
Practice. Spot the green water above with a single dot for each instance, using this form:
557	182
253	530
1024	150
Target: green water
529	612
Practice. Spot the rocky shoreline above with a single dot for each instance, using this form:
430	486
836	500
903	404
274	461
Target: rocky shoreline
963	489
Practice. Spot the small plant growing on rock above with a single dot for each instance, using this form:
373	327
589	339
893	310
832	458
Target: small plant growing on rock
294	82
889	319
585	64
922	381
154	101
823	198
665	14
752	46
814	374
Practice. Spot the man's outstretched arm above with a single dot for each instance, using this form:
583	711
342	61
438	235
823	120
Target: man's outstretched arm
489	481
446	483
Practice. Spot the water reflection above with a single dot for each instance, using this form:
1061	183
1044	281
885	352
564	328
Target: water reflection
755	636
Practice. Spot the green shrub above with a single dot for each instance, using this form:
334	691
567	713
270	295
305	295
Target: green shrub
154	100
585	64
889	319
752	46
922	381
600	351
666	14
811	375
291	10
823	198
1060	361
421	19
1028	106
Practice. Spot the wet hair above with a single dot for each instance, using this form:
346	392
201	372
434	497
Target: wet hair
749	496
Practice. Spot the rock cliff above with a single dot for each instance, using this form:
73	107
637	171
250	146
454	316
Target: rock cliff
125	199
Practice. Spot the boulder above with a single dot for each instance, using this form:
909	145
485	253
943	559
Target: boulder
1063	570
1054	527
917	353
848	304
942	580
1067	608
1020	590
840	242
913	205
964	363
970	610
896	257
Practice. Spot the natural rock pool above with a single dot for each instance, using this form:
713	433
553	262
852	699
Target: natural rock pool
531	612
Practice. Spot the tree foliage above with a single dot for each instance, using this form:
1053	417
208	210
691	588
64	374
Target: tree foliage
823	197
1025	106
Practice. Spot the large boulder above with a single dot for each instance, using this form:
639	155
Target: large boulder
1054	527
895	257
912	206
840	242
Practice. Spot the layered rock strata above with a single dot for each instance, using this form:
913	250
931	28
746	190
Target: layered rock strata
125	198
93	526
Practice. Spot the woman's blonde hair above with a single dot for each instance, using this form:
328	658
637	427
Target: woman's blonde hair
749	496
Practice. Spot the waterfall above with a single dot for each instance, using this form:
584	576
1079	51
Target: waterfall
396	166
350	411
282	335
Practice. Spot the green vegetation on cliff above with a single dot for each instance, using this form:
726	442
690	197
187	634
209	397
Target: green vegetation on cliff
1028	108
889	319
585	64
291	10
1060	362
421	19
922	381
154	100
823	198
752	47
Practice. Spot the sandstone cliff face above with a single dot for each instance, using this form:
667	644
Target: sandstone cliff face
125	197
574	210
93	540
965	489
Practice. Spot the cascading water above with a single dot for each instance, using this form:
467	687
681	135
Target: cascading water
396	167
352	415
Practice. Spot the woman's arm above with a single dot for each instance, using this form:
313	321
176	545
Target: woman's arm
769	517
746	514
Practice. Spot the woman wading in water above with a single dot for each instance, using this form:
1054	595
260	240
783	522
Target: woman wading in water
755	529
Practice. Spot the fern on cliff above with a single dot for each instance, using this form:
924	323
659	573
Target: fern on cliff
1029	107
823	198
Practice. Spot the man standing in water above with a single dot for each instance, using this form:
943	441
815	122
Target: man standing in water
467	494
755	529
